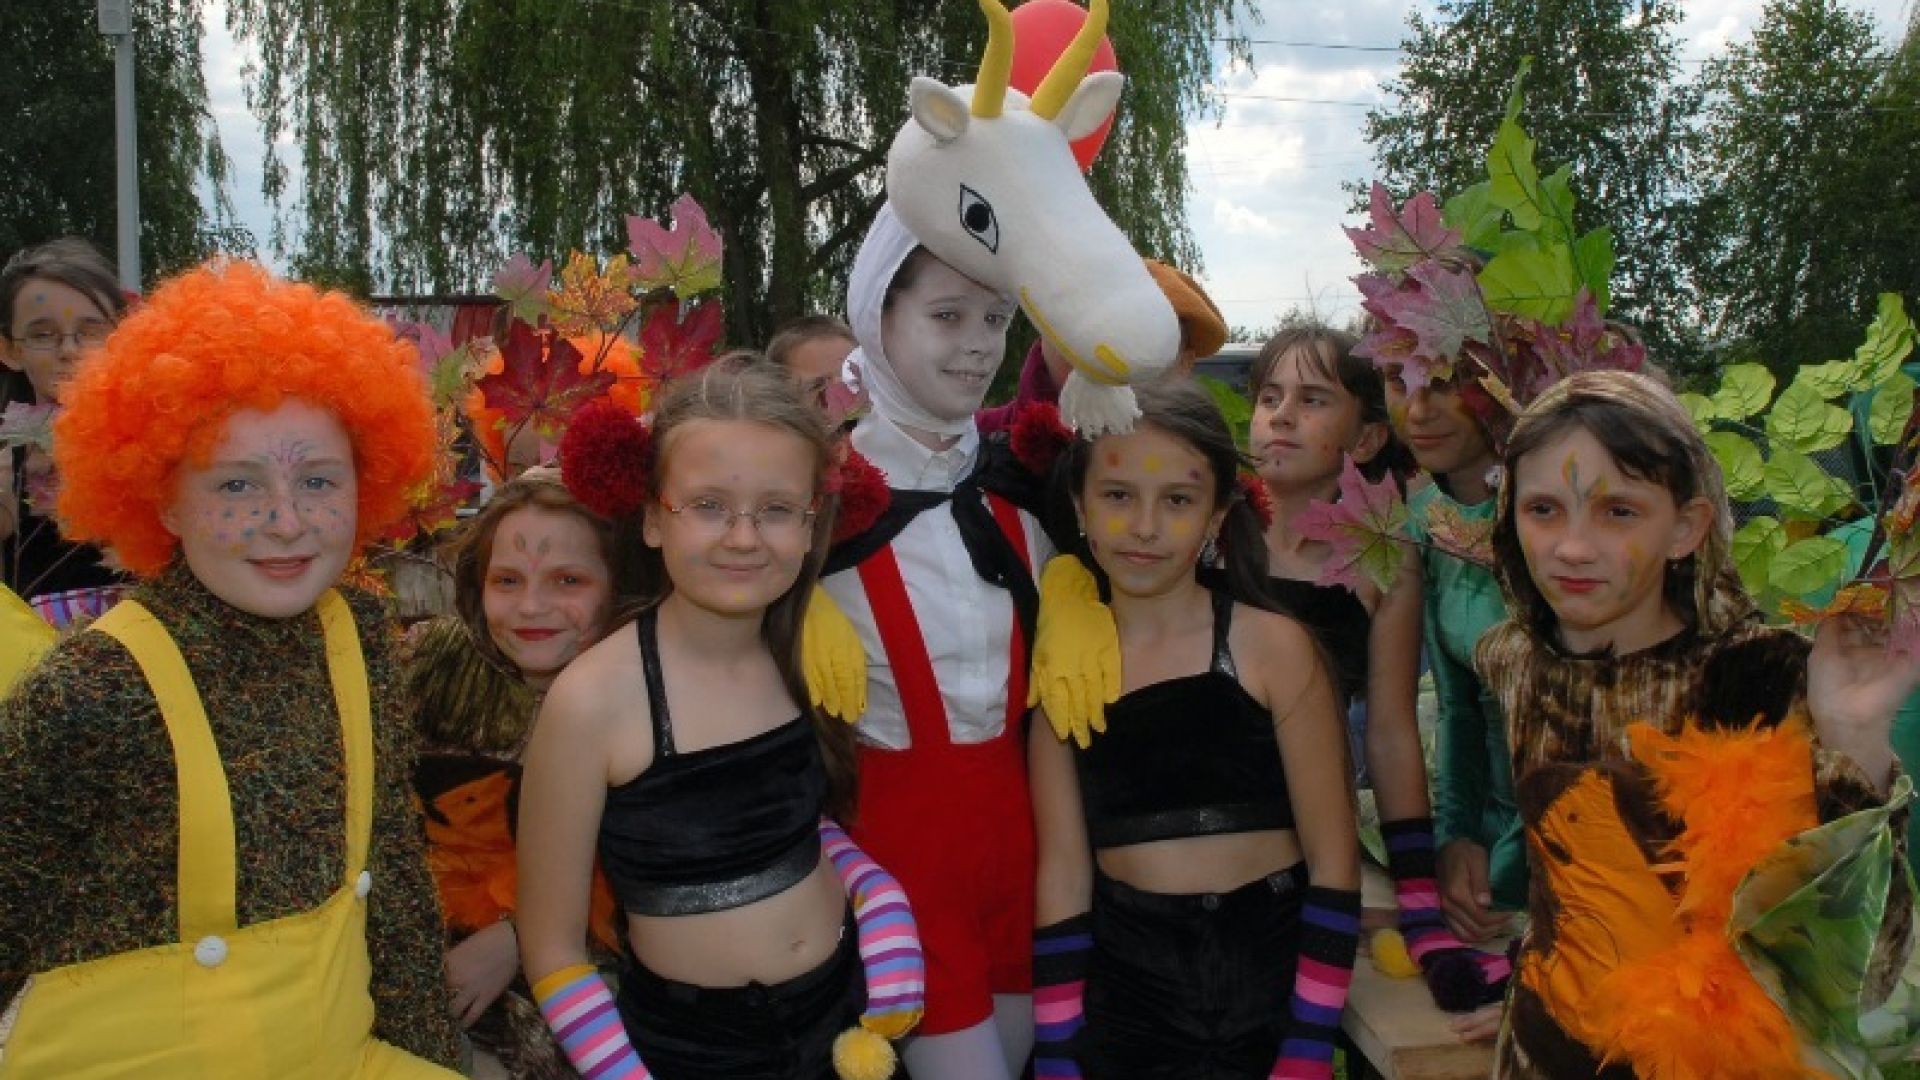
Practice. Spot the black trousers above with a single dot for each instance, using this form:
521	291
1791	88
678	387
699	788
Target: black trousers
756	1032
1190	987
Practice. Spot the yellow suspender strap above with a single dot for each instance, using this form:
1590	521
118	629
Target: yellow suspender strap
206	855
347	667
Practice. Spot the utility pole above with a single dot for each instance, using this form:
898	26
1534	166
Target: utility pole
116	22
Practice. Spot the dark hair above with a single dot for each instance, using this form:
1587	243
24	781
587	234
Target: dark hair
1645	445
1179	407
904	277
1329	354
807	328
68	261
741	386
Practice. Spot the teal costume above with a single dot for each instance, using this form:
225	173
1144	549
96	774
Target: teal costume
1473	783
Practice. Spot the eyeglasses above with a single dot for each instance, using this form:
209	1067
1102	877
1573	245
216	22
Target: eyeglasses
87	336
773	519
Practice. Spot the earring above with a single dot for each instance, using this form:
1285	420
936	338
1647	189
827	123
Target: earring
1210	552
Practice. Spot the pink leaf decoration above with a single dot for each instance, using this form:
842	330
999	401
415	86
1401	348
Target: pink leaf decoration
1443	315
1390	345
1397	241
23	424
1365	529
842	403
524	287
685	258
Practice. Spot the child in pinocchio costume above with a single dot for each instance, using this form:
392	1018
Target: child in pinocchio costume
212	866
1673	758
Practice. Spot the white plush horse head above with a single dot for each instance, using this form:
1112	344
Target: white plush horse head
985	179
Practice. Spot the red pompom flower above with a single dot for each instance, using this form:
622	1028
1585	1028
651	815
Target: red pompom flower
605	457
864	496
1254	490
1039	436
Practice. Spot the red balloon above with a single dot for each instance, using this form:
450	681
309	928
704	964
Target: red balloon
1041	31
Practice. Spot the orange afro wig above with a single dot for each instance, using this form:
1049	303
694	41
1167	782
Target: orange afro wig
207	344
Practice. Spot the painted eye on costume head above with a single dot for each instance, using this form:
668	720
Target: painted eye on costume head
977	217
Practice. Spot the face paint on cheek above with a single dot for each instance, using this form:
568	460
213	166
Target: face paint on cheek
1181	529
1115	526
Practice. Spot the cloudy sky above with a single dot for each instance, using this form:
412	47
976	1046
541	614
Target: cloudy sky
1266	171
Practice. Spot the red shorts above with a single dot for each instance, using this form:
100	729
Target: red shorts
955	825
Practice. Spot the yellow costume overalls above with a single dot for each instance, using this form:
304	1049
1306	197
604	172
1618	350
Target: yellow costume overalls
285	998
24	638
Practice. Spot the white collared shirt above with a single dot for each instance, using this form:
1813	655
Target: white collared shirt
967	624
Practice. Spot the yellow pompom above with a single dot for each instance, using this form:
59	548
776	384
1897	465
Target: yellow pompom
1389	951
859	1054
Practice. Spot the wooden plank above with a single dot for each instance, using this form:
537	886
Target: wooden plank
1395	1025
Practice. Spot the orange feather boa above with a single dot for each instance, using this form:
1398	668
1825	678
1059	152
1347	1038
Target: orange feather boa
1692	1010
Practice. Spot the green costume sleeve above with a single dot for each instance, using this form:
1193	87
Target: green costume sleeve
1461	782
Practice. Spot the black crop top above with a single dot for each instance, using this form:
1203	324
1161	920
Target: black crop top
1338	619
1192	756
716	828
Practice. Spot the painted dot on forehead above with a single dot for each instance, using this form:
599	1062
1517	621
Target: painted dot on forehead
1113	459
1153	463
1194	475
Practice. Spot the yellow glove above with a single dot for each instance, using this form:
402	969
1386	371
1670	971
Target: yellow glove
1076	652
835	664
24	638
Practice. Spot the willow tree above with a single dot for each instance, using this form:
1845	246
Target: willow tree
58	145
438	136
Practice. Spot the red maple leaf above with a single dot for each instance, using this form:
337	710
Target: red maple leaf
540	381
1396	241
671	346
1365	528
1444	314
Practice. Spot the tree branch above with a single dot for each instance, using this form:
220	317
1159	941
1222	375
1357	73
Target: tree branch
854	227
832	179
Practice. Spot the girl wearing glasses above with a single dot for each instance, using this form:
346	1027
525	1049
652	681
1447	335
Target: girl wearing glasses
59	300
681	749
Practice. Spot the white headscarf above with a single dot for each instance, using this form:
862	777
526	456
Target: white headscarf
887	245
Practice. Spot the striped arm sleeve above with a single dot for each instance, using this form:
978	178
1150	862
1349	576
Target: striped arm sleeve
1329	938
889	941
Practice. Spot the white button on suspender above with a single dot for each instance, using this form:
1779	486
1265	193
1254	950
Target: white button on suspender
210	951
363	885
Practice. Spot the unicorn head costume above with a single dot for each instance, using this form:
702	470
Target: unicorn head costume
985	179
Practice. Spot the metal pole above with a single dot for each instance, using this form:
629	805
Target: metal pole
116	22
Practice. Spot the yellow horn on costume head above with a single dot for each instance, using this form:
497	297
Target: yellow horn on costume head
990	87
1065	75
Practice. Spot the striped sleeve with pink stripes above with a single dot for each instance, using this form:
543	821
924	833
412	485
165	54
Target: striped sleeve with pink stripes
586	1024
1329	939
889	941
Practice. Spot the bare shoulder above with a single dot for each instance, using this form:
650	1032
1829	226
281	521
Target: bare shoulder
600	686
1279	659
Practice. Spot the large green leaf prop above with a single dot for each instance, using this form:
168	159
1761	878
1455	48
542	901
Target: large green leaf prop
1813	924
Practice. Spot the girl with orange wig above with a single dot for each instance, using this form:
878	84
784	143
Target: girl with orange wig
212	866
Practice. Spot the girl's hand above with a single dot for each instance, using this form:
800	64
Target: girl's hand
1465	897
1854	688
480	969
1479	1025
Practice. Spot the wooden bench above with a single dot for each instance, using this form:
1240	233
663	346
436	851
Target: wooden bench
1394	1025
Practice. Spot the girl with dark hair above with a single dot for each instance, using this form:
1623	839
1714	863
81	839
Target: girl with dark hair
57	302
682	749
1198	896
534	584
1672	757
1315	406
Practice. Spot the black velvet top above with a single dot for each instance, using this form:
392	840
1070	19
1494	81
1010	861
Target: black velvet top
1338	620
1192	756
715	828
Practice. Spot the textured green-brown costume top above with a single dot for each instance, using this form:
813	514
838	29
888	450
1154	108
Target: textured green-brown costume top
88	851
